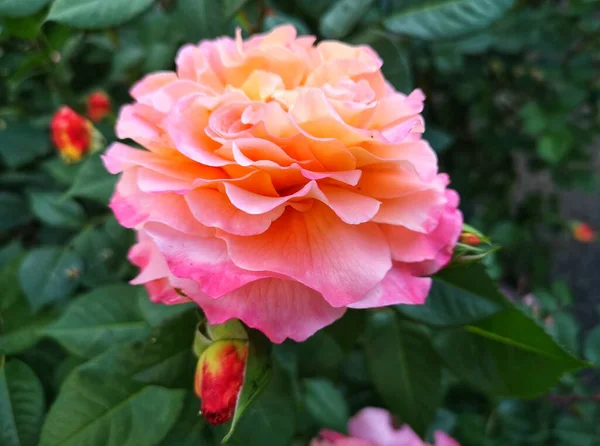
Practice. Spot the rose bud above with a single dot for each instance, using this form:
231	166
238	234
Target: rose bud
583	232
71	133
473	245
98	106
469	239
219	378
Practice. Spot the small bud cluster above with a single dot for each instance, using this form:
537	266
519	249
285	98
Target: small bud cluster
73	134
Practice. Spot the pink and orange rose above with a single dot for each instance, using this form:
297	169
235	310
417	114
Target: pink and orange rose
281	183
374	427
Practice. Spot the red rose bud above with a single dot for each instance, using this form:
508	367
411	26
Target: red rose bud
219	378
470	239
583	232
98	106
71	133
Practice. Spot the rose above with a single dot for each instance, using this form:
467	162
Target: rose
374	427
282	183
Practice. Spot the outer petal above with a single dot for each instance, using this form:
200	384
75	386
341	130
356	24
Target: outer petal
152	82
133	207
202	259
341	261
411	246
154	272
279	308
443	439
419	211
398	287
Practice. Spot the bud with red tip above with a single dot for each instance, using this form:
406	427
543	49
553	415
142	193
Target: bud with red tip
583	232
472	246
470	239
219	378
98	105
221	369
71	133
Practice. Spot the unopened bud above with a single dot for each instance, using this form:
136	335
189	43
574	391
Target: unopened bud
219	378
583	232
98	106
71	133
470	239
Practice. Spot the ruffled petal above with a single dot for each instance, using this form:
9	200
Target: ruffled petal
281	309
399	286
201	259
342	262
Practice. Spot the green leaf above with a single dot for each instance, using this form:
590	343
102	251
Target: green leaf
437	19
319	355
326	404
49	274
231	7
344	332
157	313
552	147
314	8
92	410
20	8
54	210
534	118
164	357
592	346
256	378
459	295
14	211
573	431
507	354
26	28
99	320
201	19
62	172
21	329
9	282
21	143
269	421
405	368
104	253
565	329
191	429
21	404
93	181
439	139
342	17
8	254
95	14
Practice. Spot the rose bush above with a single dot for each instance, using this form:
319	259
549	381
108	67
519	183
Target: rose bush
294	184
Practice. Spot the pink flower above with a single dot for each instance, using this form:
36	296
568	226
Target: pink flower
374	427
282	183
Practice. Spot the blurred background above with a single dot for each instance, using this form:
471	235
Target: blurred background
512	110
